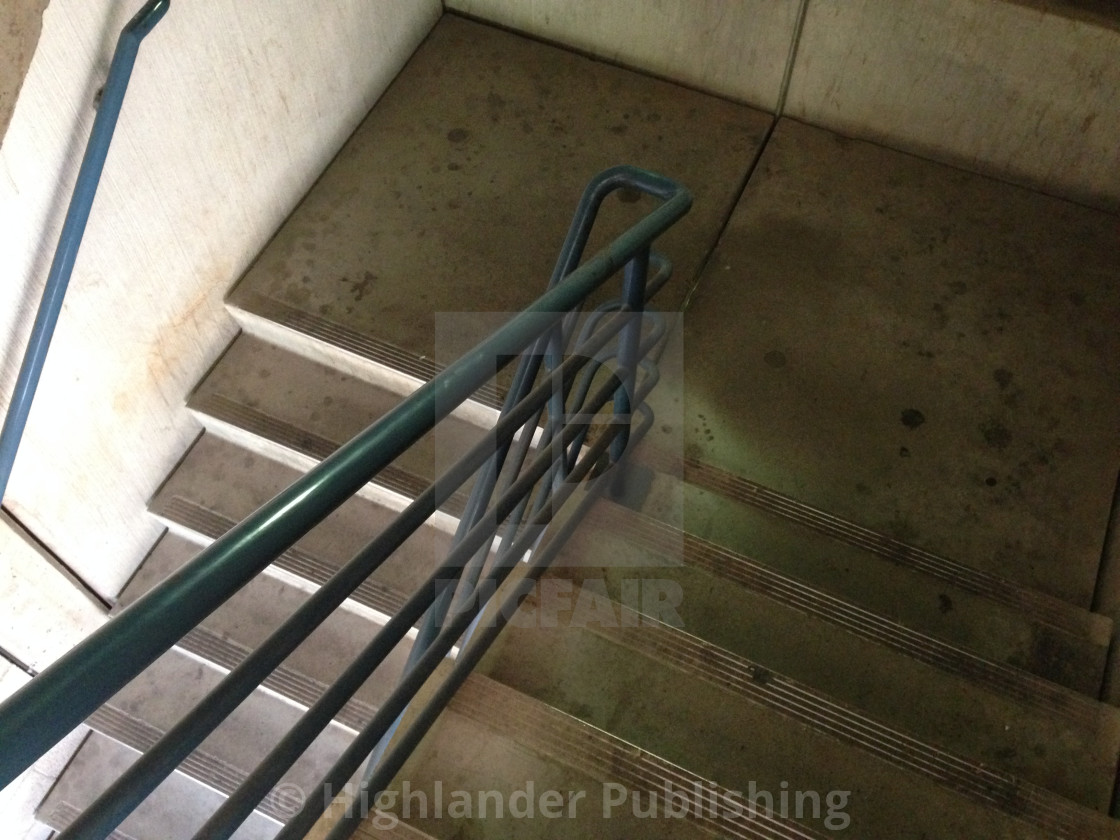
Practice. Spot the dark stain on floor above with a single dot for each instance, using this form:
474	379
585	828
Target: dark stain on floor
912	418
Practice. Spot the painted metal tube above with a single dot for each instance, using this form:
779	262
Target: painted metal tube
73	227
571	252
633	298
464	665
575	241
355	753
237	808
160	760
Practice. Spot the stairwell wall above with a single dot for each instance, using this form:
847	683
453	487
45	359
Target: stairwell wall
1024	90
234	108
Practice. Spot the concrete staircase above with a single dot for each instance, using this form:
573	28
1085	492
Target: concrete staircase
849	590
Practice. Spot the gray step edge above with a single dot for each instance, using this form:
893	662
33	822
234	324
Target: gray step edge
326	342
1039	606
736	568
754	683
299	449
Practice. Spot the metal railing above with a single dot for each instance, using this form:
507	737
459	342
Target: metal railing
73	227
577	372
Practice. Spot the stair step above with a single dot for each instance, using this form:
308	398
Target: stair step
1059	739
218	484
325	342
934	596
200	765
302	411
492	742
1045	608
916	348
177	681
174	811
228	635
901	786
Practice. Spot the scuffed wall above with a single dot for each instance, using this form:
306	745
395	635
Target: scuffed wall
234	108
1026	93
20	21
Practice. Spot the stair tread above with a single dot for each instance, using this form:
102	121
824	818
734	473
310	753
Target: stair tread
492	740
977	611
237	627
218	484
244	738
174	811
1059	738
898	782
312	409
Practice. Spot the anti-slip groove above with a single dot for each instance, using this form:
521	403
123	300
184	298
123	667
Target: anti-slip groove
286	682
732	566
62	814
296	561
310	444
592	751
365	346
1037	605
988	786
200	766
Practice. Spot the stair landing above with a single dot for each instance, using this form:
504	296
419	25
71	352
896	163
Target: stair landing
929	352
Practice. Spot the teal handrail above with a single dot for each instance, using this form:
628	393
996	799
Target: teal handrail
73	228
67	692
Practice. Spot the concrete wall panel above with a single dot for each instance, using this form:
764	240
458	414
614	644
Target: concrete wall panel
734	48
1006	89
234	108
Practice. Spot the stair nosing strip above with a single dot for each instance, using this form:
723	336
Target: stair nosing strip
285	681
1038	606
204	768
536	726
791	698
744	571
65	813
345	338
310	444
212	525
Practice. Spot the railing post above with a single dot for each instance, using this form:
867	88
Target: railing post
634	301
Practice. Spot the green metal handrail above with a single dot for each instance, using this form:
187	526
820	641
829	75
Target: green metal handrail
62	696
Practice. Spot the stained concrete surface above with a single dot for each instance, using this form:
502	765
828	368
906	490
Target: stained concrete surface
456	192
21	22
925	351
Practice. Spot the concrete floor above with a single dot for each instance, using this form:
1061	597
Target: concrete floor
925	351
463	205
